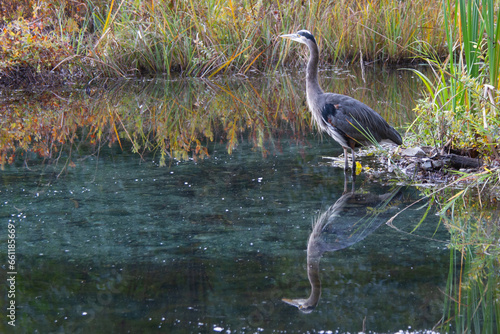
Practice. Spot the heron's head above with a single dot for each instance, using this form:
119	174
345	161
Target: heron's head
302	304
301	36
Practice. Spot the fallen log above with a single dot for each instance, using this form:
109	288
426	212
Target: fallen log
451	160
458	161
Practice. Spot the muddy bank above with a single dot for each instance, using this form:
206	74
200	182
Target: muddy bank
27	78
423	164
435	165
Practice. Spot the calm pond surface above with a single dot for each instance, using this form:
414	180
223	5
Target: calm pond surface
115	243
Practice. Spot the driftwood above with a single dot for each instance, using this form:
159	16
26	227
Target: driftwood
428	158
451	160
428	163
459	161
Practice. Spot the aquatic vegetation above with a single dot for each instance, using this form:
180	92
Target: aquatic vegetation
187	36
172	120
460	114
176	118
472	292
460	111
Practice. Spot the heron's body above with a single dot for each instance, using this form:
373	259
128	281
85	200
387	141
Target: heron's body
348	121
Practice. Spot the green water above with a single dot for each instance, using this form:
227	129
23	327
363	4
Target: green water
122	245
117	244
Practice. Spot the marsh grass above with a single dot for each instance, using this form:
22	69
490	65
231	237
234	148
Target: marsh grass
460	111
123	38
206	38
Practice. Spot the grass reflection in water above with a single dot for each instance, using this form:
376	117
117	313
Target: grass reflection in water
182	118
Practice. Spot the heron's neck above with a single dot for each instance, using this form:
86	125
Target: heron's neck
313	258
312	84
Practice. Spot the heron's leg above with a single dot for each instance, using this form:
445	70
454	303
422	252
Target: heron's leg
346	166
346	180
353	164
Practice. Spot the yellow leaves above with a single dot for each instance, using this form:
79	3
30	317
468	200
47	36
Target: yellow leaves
117	136
456	195
24	45
207	132
231	136
72	26
229	61
35	126
12	34
359	168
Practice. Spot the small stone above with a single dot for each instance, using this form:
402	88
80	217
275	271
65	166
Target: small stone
413	152
410	169
438	164
427	164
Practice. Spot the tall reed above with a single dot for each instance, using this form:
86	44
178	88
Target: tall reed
461	107
459	113
205	38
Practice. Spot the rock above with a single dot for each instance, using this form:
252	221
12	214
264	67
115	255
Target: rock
429	164
410	169
413	152
426	164
438	164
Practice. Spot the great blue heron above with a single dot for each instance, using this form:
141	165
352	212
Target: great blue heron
350	122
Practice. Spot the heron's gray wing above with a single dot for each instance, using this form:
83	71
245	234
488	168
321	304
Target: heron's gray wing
330	119
358	121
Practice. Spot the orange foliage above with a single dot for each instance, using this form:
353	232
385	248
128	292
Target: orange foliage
24	45
33	40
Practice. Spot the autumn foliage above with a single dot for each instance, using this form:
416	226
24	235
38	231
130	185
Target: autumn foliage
25	46
31	45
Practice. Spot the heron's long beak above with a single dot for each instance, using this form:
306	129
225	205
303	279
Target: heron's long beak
293	37
293	302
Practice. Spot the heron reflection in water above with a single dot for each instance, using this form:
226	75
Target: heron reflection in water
336	229
348	121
